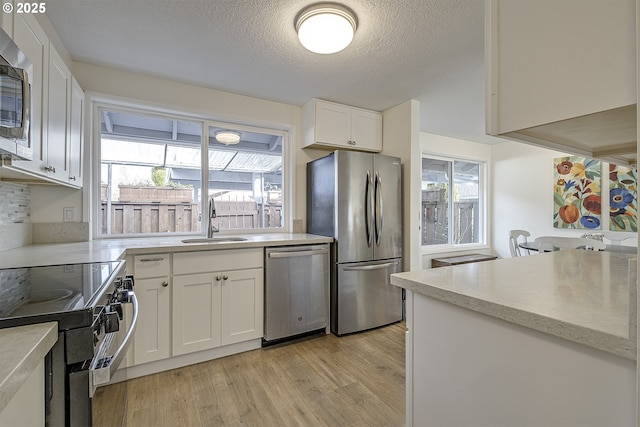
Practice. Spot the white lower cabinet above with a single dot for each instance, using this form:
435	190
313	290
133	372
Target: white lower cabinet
26	407
196	312
218	307
195	301
242	306
153	332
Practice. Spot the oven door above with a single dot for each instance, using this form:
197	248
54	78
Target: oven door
111	350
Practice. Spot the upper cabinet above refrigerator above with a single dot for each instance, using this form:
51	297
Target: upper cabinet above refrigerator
561	74
332	126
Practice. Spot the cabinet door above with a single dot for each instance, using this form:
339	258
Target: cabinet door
58	117
242	305
333	124
152	333
583	62
196	312
33	41
76	134
26	407
366	130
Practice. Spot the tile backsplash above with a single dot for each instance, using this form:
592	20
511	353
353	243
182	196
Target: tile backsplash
15	216
15	204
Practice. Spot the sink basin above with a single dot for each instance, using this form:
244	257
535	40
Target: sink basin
215	240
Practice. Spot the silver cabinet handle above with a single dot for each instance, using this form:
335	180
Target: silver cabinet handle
165	284
225	277
152	259
72	178
50	168
218	278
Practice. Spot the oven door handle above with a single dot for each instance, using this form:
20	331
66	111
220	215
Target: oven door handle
103	367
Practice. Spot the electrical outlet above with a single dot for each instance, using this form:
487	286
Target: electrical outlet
68	214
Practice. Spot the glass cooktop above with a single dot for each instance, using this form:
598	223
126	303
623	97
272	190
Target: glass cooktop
32	291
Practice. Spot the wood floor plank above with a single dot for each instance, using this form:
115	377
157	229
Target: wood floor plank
354	380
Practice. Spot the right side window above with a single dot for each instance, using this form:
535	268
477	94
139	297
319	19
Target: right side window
452	201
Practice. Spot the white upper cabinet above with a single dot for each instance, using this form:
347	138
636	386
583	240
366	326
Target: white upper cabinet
57	112
32	40
562	74
76	133
59	116
330	125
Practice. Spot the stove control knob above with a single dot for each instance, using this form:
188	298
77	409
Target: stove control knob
111	323
130	277
128	282
117	308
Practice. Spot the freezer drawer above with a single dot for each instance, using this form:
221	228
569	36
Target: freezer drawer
296	290
363	297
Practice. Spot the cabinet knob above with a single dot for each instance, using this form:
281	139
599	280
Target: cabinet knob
225	277
351	142
165	284
72	178
49	168
218	278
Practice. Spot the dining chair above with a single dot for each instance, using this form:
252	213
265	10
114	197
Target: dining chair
616	237
514	241
549	243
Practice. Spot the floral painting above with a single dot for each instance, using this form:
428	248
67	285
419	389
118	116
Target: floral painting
623	198
576	196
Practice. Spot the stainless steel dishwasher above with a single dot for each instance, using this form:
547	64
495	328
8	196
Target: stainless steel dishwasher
296	291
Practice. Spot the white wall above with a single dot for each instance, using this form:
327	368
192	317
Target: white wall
401	136
460	149
523	193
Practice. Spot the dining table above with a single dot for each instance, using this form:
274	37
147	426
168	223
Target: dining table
533	246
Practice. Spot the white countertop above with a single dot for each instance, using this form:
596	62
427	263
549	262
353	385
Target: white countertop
582	296
23	348
113	249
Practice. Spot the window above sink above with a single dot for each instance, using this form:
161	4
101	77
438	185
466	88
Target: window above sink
157	172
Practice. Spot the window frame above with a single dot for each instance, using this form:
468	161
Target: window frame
483	222
99	104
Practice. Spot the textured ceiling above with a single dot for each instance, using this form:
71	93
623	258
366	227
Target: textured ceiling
429	50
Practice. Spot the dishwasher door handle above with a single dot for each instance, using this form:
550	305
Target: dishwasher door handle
293	254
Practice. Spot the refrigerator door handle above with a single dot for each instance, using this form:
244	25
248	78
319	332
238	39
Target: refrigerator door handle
367	209
371	267
378	208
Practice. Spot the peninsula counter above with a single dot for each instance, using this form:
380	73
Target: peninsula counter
547	339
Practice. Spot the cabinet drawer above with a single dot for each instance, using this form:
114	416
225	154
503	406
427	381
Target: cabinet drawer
153	265
220	260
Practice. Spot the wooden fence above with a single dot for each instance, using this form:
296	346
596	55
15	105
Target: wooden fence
143	217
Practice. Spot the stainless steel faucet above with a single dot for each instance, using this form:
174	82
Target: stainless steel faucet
212	214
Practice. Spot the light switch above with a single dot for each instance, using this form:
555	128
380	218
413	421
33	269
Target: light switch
68	214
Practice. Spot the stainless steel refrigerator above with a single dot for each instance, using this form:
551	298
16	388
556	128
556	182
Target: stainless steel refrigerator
356	198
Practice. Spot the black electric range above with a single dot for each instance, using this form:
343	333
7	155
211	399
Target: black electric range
86	300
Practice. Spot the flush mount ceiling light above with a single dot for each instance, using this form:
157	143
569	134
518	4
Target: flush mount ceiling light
326	27
228	137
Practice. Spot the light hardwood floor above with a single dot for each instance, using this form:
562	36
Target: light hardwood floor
355	380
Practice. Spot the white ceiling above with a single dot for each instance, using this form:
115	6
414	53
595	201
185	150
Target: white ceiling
428	50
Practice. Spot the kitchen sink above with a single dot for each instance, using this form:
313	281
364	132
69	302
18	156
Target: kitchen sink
215	240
